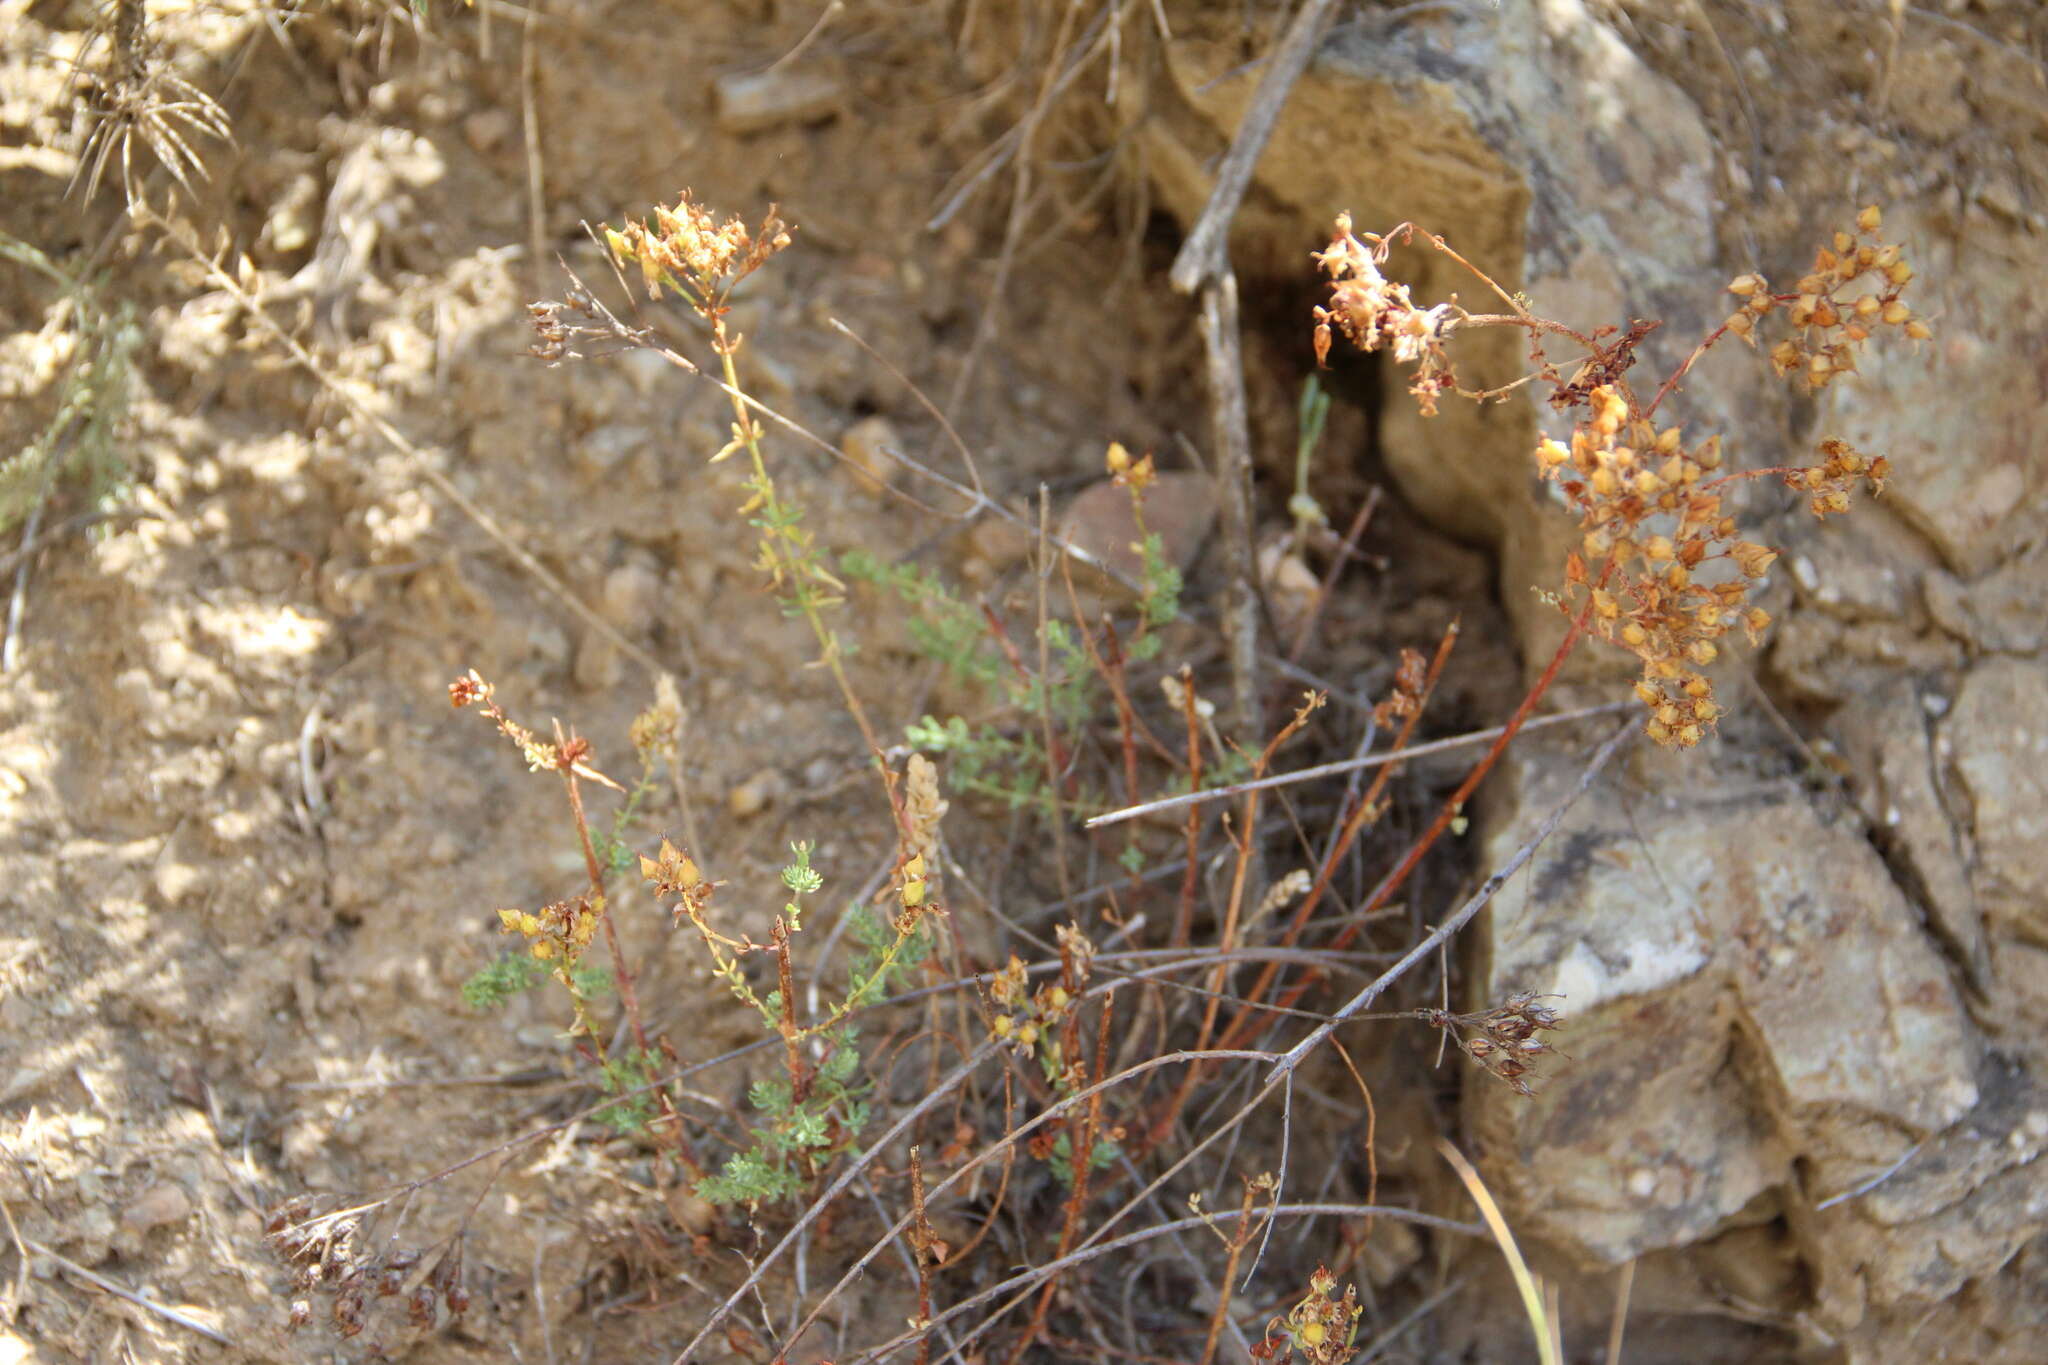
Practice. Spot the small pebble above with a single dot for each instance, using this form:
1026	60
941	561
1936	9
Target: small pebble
752	103
486	130
693	1215
598	665
158	1206
632	595
754	795
1180	508
864	444
188	1084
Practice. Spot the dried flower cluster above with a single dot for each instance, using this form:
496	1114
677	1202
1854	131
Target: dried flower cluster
657	732
1503	1039
1626	480
325	1252
674	873
1662	570
1025	1017
560	932
1404	699
1829	325
1374	312
923	808
1828	484
568	755
1030	1020
1322	1328
691	253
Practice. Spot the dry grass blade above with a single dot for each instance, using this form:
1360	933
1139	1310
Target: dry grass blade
105	1285
1540	1321
1022	1284
1620	1323
1348	765
144	99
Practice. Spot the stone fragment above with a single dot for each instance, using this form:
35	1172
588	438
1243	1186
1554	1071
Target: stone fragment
1748	995
693	1215
598	667
1180	508
1998	732
1886	736
606	447
486	130
865	445
158	1206
994	545
2004	612
756	794
632	595
1290	586
1981	500
756	102
1950	1210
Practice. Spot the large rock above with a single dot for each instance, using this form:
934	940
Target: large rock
1519	133
1999	738
1752	1007
1889	737
1961	419
1765	982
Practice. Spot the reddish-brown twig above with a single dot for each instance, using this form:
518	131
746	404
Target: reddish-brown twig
1234	1246
1366	811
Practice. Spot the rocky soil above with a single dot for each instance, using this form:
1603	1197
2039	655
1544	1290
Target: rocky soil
248	855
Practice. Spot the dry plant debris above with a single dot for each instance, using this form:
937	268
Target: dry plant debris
1662	570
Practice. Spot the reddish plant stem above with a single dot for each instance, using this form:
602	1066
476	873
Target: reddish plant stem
1664	390
1082	1150
1111	667
622	974
1242	840
921	1240
1455	804
1534	324
799	1073
1239	1238
1191	880
1363	814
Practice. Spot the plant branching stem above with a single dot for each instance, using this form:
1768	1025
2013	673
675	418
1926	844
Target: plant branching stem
1444	932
